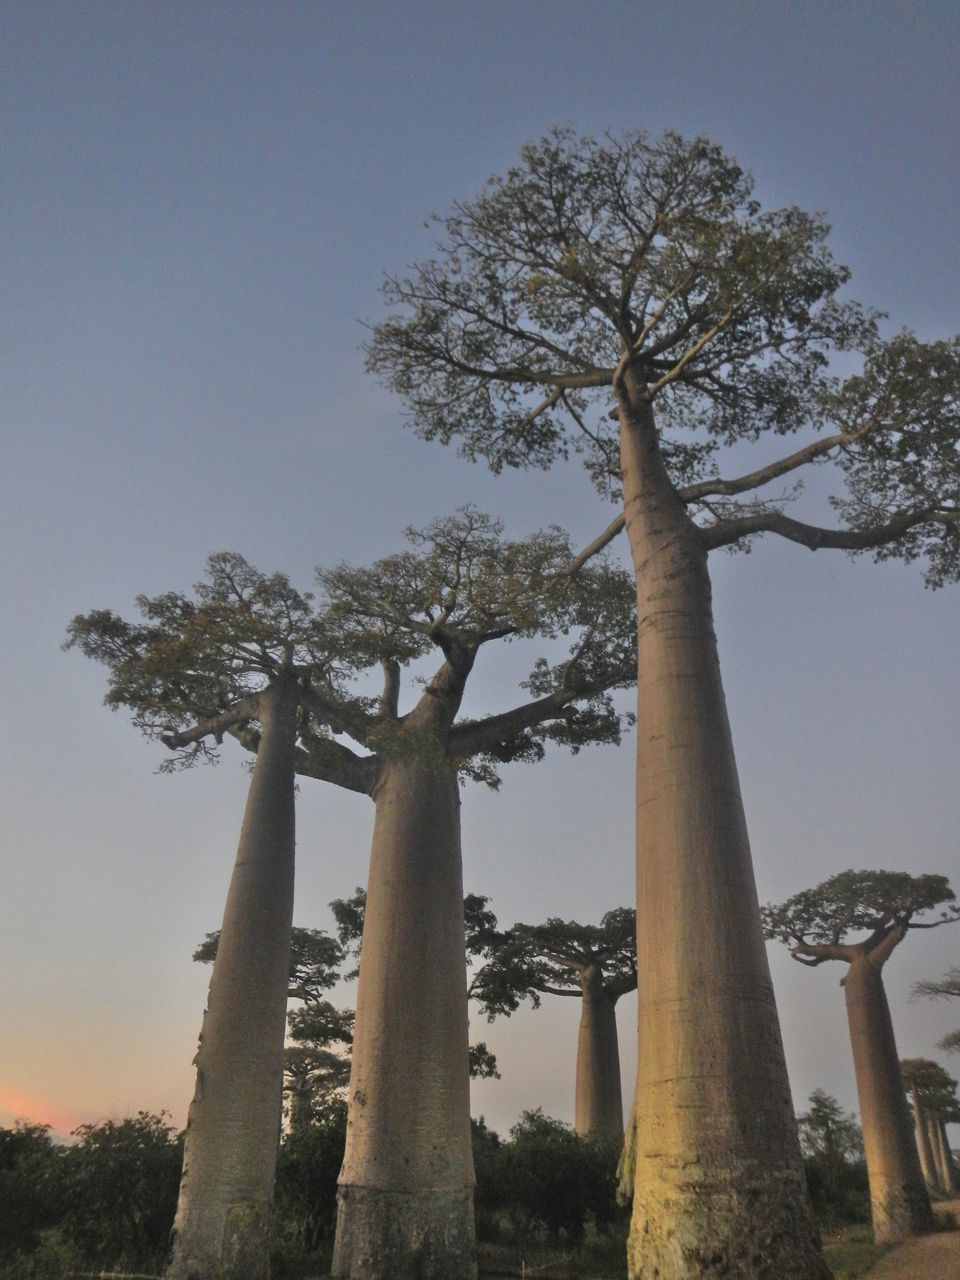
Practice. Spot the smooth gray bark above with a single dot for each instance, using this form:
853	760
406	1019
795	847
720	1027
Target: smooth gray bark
944	1158
406	1187
719	1188
233	1128
598	1109
899	1202
922	1130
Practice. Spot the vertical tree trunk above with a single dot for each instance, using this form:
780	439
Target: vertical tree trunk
233	1129
899	1203
406	1186
943	1158
719	1188
921	1128
598	1106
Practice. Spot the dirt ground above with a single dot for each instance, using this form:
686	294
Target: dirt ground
933	1257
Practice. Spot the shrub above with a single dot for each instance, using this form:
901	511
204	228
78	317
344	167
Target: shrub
120	1184
29	1187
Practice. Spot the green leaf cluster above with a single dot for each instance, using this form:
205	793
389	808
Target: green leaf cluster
855	902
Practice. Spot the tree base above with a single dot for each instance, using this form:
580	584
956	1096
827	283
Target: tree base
900	1211
239	1250
393	1235
761	1229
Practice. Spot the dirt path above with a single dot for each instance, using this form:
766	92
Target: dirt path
934	1257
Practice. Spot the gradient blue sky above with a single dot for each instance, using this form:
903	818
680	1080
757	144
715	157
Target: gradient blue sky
199	204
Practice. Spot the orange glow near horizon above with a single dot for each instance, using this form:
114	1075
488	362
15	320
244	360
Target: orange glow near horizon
34	1109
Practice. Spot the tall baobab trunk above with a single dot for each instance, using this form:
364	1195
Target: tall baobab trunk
922	1130
233	1129
406	1186
899	1203
719	1187
598	1107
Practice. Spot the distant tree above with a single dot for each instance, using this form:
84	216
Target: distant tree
948	985
629	300
817	924
832	1145
242	657
934	1096
596	964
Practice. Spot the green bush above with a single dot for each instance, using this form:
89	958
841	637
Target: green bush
29	1187
305	1196
119	1183
545	1181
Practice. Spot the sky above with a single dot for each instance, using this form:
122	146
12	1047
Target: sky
200	202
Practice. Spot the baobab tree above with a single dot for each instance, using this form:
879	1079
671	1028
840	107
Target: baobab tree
947	986
859	918
406	1187
630	301
933	1093
596	964
198	670
242	657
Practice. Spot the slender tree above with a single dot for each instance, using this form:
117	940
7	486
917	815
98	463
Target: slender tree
828	923
948	985
596	964
405	1201
933	1093
631	301
242	656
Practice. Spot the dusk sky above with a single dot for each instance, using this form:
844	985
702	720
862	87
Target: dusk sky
200	202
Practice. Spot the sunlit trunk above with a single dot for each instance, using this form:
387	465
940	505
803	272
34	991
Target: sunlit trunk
599	1102
899	1203
719	1188
921	1128
233	1128
406	1186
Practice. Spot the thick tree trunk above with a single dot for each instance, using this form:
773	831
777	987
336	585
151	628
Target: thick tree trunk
598	1109
406	1186
719	1188
899	1203
233	1129
922	1130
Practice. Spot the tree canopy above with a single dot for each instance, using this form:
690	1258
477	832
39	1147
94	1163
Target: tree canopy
192	671
948	985
818	923
529	961
588	256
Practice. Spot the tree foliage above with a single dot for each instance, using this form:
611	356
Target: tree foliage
30	1187
119	1184
818	923
832	1145
529	961
588	254
948	985
545	1180
193	668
